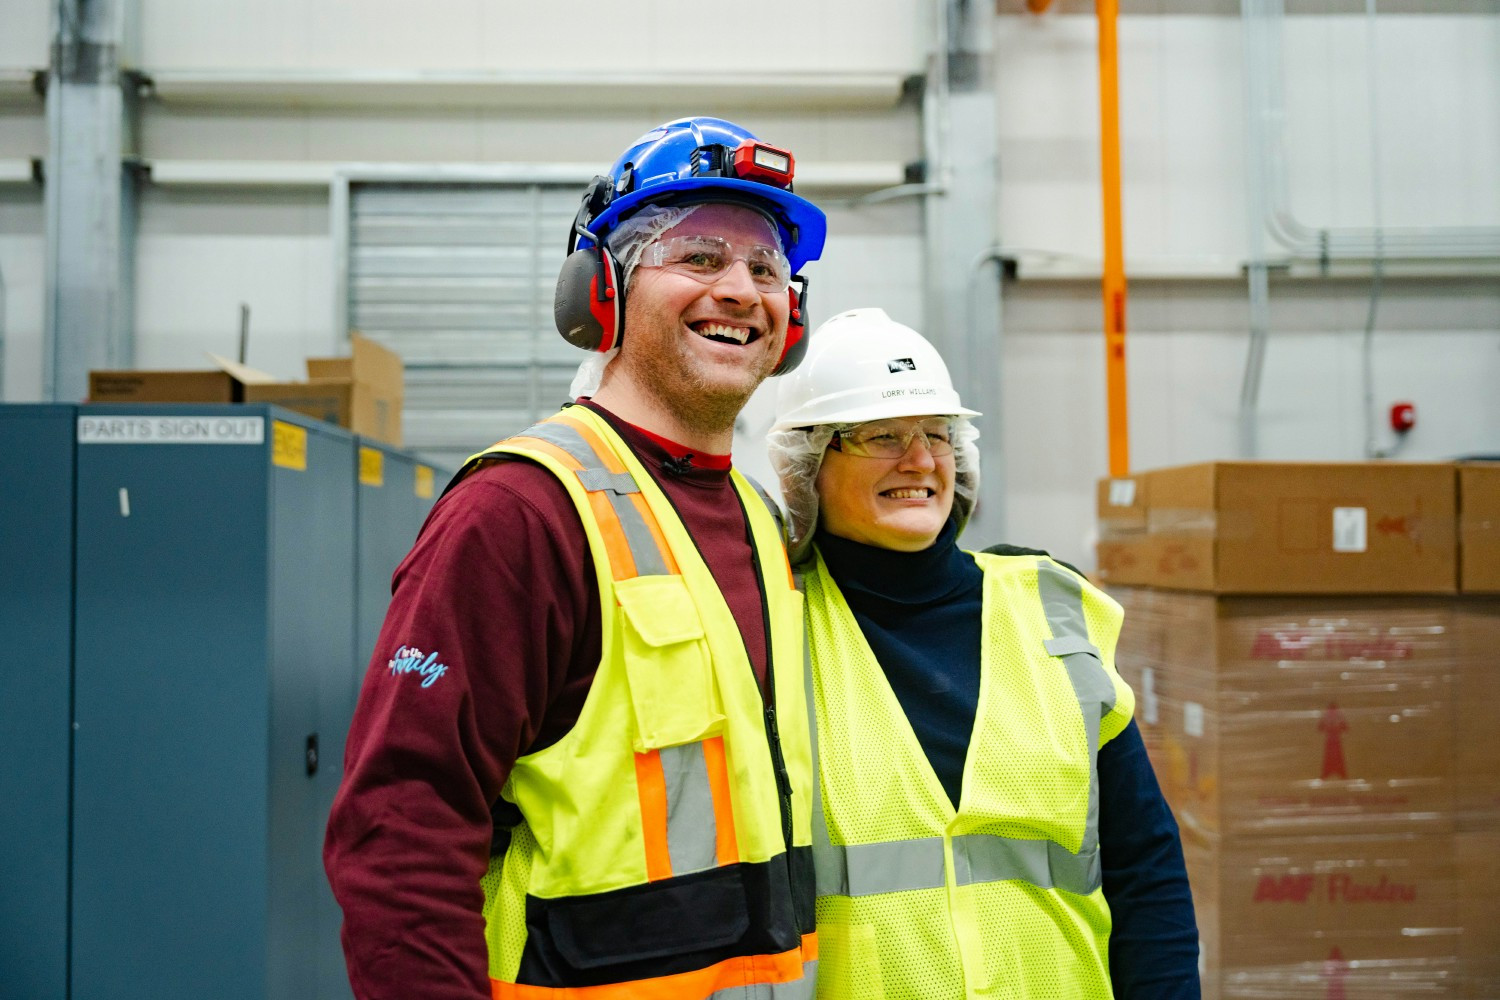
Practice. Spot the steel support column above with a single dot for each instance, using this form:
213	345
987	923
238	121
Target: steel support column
963	301
90	198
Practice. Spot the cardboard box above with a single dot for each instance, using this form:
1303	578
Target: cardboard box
1479	527
1479	913
1277	715
1287	528
363	392
164	387
1476	625
1122	530
1356	916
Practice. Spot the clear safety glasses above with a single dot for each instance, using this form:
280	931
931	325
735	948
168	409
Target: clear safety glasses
892	438
706	258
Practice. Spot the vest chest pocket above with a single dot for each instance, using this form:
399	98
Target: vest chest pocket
667	663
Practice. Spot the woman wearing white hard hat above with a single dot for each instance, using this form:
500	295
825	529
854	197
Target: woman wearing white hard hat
987	823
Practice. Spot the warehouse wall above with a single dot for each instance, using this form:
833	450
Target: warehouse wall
204	249
1437	338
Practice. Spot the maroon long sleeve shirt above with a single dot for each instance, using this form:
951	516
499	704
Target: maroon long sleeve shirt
487	653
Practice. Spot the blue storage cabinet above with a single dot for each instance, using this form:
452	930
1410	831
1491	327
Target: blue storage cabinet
396	492
213	646
36	616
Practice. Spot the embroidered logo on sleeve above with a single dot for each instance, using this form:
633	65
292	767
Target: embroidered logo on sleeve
411	660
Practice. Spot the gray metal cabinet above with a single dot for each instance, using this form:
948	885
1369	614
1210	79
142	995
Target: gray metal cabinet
36	616
213	643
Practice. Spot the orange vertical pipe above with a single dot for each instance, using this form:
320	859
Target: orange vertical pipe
1114	250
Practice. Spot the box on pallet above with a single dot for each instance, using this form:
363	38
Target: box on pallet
1476	626
1354	916
1282	527
1295	715
1479	527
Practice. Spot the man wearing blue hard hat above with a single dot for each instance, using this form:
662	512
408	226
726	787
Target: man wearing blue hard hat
580	764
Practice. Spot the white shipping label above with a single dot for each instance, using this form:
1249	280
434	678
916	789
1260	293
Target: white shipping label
171	430
1122	492
1349	532
1192	718
1150	709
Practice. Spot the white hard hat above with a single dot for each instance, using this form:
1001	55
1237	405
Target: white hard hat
863	365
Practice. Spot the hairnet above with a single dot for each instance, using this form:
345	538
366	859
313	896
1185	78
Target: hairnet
626	242
797	455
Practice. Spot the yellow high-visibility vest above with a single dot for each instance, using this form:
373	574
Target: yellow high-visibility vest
665	848
1001	896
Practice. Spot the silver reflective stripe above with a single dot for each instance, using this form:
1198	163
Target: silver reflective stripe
979	857
691	830
889	866
799	989
643	548
1062	600
595	480
771	506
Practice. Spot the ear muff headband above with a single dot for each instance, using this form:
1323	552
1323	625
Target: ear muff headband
588	305
795	348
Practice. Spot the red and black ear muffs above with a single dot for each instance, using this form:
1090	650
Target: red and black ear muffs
795	347
589	304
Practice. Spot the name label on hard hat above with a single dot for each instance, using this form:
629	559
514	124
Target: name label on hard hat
171	430
888	393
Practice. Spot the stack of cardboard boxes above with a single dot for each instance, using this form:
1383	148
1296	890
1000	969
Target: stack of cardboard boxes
362	392
1317	671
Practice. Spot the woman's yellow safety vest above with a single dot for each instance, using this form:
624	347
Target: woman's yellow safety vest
665	848
1002	897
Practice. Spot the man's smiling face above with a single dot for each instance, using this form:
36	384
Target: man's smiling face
700	349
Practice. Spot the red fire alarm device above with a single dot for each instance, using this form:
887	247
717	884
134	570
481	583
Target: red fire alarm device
1403	417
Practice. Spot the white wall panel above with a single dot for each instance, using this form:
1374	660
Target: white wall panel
1437	102
23	133
26	37
1182	128
200	254
1437	344
677	36
22	254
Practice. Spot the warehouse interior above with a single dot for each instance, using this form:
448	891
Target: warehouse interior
1310	224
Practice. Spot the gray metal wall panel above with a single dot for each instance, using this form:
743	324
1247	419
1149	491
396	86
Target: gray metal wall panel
36	610
458	279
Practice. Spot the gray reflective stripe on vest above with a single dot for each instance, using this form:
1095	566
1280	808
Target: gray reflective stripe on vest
771	506
905	865
980	857
1062	601
691	842
595	478
798	989
908	865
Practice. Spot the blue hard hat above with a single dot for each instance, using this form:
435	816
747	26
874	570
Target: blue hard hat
694	159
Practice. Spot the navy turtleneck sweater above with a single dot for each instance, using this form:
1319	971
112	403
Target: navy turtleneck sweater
920	613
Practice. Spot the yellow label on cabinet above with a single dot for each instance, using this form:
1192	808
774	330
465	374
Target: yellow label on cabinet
371	467
289	446
423	486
